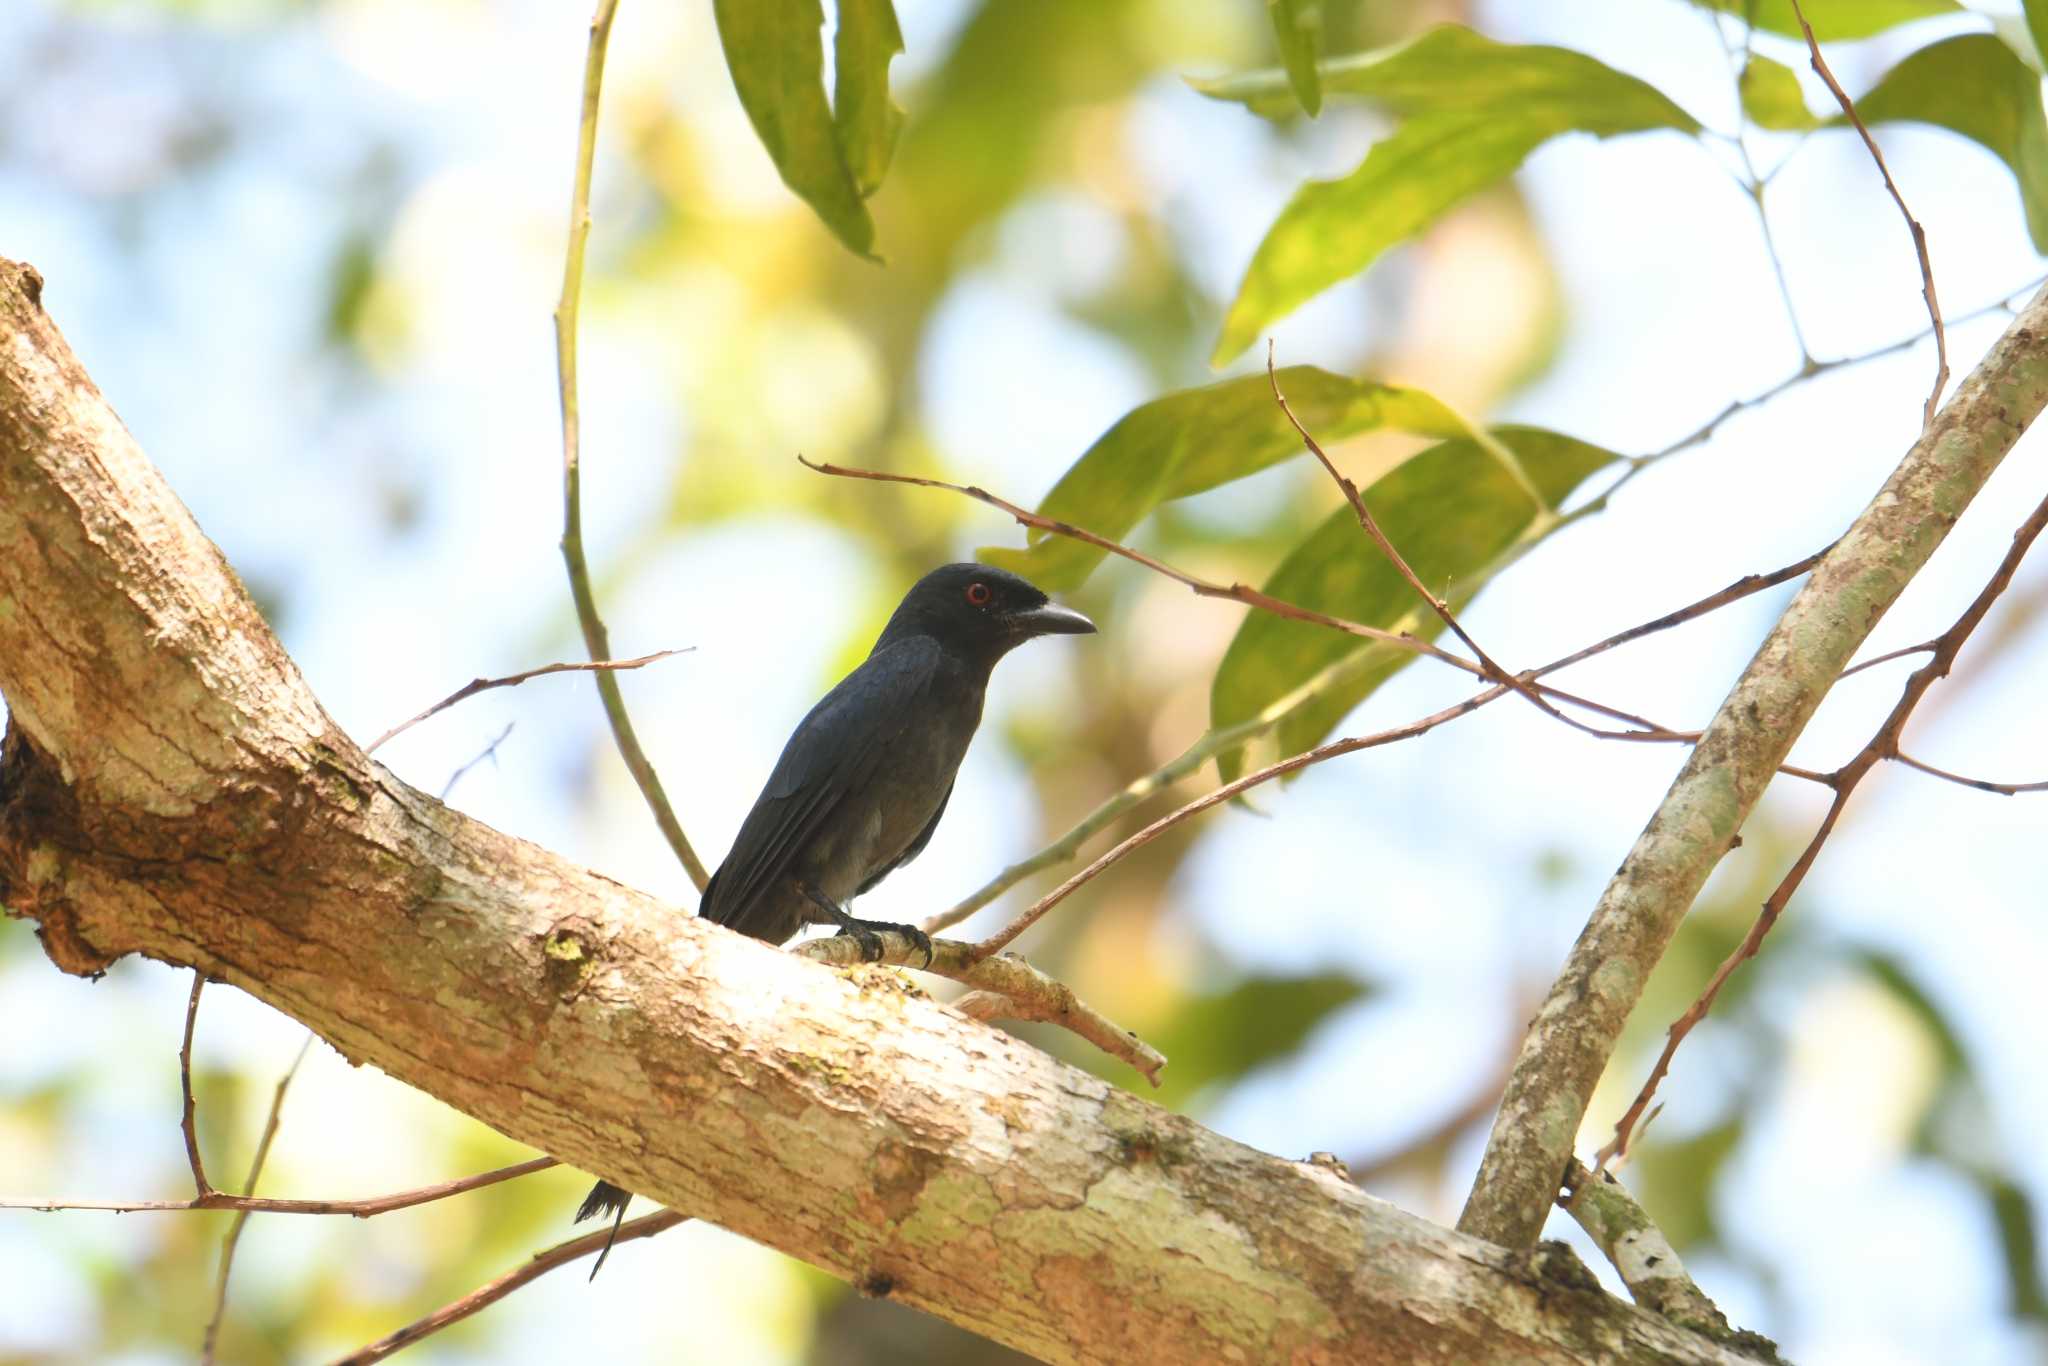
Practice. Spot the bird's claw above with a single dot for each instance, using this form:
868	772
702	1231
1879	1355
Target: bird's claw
870	942
864	933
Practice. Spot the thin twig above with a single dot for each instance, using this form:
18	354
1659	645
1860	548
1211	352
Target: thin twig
1734	592
1882	745
996	942
241	1219
1888	656
1706	430
596	638
490	1293
1026	992
187	1120
477	685
1489	668
490	751
1981	784
1912	224
1754	185
262	1204
1245	594
1236	592
1232	738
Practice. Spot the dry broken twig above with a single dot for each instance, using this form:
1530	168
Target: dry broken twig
477	685
1031	994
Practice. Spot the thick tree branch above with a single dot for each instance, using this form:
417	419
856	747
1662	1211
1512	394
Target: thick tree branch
170	787
1574	1034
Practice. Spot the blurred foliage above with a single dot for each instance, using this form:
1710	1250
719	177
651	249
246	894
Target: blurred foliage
1976	86
1472	111
1458	516
1771	97
1021	167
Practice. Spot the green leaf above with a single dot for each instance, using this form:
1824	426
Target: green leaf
776	53
1453	512
1221	1035
1474	110
1187	442
1976	86
1298	26
1772	99
866	120
2037	28
1833	20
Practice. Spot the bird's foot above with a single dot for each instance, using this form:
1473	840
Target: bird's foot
868	934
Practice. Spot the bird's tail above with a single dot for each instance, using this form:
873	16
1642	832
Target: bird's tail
605	1198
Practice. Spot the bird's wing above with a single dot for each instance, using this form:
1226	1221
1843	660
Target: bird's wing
914	848
833	753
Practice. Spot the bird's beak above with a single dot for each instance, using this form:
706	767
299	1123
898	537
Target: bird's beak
1051	619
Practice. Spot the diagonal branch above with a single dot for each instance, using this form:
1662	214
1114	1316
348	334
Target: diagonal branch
1488	668
996	942
1883	745
1573	1035
488	1294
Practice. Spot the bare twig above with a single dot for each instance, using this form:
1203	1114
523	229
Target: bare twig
1371	526
596	638
1883	745
1025	992
1981	784
1888	656
261	1204
241	1219
1236	592
477	685
1734	592
488	1294
997	941
1235	737
1252	597
1912	224
489	751
187	1119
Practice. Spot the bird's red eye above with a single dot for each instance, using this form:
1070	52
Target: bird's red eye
978	594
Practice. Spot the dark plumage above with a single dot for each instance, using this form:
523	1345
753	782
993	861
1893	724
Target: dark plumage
865	777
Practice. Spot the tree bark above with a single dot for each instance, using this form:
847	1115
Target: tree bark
169	786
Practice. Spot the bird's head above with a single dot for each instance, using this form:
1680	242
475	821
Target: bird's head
980	611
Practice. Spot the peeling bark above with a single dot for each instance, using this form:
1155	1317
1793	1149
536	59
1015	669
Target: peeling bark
170	787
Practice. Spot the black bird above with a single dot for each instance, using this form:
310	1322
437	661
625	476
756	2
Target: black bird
862	783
